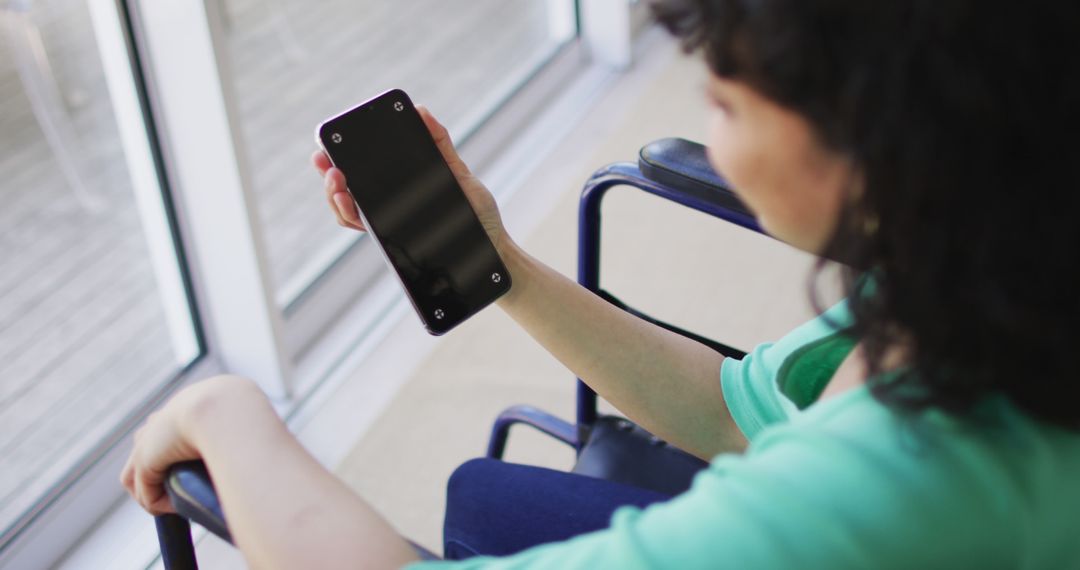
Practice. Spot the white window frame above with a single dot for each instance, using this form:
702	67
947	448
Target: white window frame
90	488
244	329
208	174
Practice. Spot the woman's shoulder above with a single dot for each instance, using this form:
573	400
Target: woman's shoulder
994	436
1005	486
750	384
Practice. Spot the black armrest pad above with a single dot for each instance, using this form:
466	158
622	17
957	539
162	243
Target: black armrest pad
683	166
192	493
619	450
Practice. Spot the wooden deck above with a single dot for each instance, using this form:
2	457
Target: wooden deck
82	333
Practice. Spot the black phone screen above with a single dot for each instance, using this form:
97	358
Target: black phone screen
414	207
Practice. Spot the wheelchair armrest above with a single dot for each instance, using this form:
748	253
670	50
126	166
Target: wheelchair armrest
682	166
551	425
192	493
620	450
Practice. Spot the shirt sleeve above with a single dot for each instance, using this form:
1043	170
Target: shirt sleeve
749	384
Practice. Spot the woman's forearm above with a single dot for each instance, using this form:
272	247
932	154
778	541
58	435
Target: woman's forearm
664	381
284	509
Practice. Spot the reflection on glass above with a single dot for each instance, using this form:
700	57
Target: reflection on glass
295	63
84	337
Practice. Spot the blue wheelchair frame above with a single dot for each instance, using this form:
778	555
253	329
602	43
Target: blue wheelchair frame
608	447
611	447
673	169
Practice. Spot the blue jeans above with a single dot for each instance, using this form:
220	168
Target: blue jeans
497	508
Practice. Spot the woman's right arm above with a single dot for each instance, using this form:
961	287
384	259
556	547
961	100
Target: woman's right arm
664	381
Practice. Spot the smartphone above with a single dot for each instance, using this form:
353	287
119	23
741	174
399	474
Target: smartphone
415	210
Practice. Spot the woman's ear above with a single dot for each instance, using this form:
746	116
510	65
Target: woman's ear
863	217
855	185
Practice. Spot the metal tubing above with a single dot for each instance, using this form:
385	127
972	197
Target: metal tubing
625	174
174	538
543	421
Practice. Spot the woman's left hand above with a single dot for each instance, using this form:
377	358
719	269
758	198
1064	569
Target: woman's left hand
168	437
285	510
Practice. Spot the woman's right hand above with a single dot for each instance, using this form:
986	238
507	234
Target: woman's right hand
483	203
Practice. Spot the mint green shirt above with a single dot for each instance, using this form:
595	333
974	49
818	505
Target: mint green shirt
844	483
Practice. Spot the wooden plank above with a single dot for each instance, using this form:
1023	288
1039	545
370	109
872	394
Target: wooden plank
82	337
88	417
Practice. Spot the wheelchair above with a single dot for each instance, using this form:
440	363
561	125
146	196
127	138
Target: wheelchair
608	447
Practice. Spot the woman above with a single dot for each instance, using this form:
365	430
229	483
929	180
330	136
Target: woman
924	422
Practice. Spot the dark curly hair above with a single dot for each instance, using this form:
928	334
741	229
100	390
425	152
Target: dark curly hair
963	120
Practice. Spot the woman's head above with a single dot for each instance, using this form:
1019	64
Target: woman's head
929	140
774	159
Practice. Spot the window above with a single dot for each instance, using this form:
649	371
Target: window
292	64
159	219
94	313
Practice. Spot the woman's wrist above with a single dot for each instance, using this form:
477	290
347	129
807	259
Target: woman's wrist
218	403
517	263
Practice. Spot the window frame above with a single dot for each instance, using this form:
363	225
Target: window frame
65	512
240	326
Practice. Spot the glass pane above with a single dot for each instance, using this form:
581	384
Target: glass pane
295	63
88	327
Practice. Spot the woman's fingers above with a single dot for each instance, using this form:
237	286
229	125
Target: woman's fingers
330	188
321	161
346	210
142	481
334	181
127	476
341	203
150	493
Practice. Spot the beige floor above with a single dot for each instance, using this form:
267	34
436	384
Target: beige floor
677	264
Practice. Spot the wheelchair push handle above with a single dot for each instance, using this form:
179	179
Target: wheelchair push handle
192	494
682	167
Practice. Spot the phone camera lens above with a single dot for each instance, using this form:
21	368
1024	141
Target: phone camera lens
336	137
398	105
